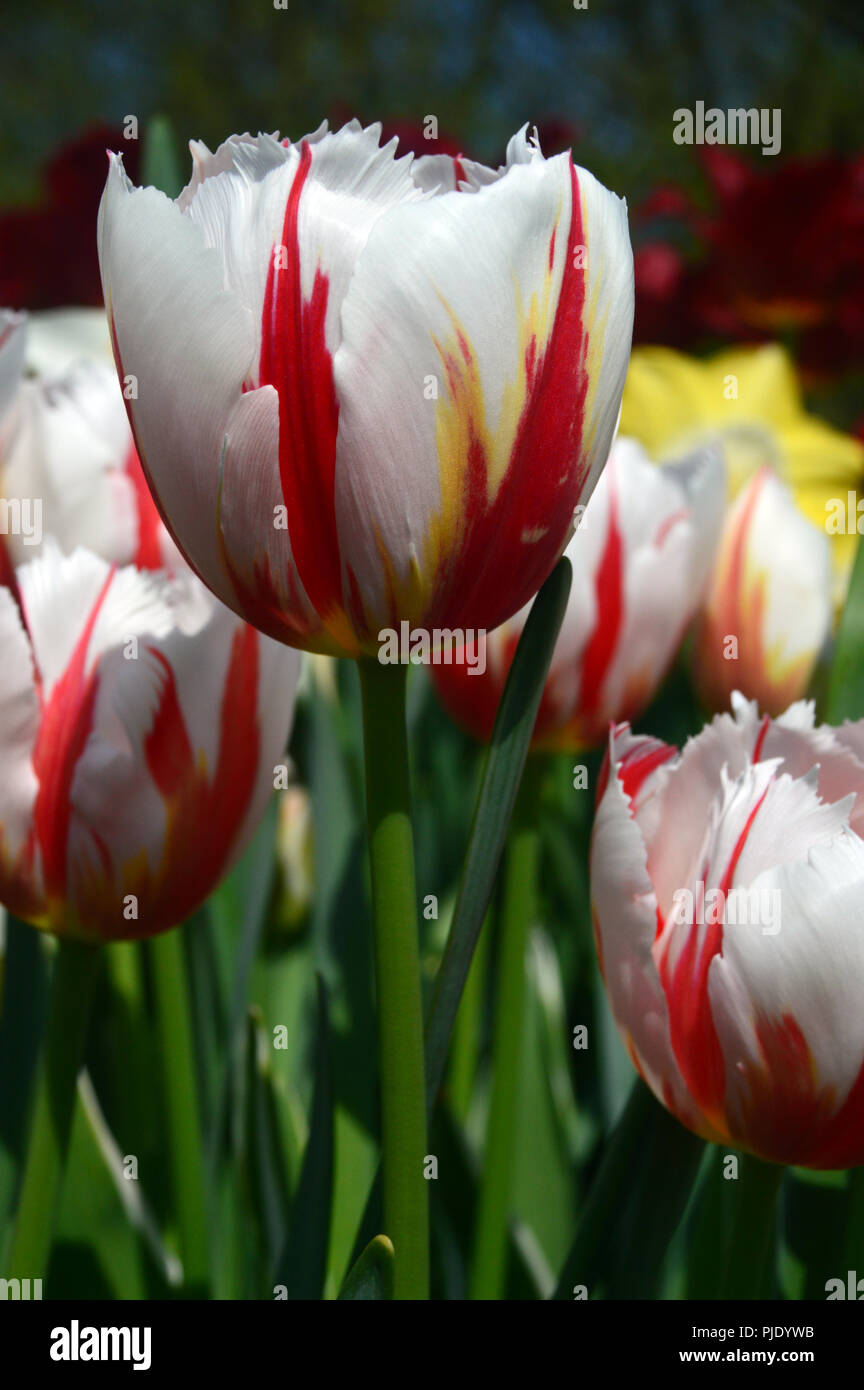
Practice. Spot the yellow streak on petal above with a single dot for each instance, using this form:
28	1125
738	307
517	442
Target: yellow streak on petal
463	431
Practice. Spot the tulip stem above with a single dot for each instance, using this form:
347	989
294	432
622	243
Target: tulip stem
751	1246
519	902
180	1090
52	1106
397	974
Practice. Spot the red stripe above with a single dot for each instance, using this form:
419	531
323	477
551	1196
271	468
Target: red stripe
148	553
67	718
635	766
544	476
693	1033
167	748
757	747
609	616
295	360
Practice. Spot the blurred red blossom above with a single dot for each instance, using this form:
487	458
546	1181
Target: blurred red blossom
779	253
48	250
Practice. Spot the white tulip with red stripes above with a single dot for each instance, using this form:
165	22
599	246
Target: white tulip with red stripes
368	392
727	883
141	723
767	610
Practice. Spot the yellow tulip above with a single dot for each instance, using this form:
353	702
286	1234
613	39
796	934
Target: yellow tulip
748	400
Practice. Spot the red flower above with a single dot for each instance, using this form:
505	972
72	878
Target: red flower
48	252
782	253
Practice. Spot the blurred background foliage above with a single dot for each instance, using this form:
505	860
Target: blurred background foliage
609	76
275	1119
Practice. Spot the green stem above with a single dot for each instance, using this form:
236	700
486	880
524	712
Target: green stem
180	1088
489	1271
72	989
751	1246
397	973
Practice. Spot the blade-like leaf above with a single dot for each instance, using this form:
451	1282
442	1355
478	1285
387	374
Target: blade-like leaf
372	1276
22	1018
501	776
303	1262
635	1203
846	682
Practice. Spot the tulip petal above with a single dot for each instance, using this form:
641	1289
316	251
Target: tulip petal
625	922
189	344
19	725
787	1009
479	380
771	593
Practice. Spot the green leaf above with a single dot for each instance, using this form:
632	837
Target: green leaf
750	1268
303	1262
24	1000
845	700
182	1115
502	773
265	1159
709	1227
816	1232
372	1276
244	897
635	1203
846	682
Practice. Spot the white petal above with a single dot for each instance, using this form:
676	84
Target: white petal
450	293
625	910
19	723
69	454
190	346
806	980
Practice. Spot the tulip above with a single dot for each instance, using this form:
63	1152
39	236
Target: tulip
142	722
68	451
726	883
641	559
767	612
368	392
363	398
748	400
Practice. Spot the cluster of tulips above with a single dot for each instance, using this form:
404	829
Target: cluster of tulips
351	390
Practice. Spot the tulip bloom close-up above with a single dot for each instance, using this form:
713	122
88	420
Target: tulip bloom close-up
135	711
726	884
360	388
